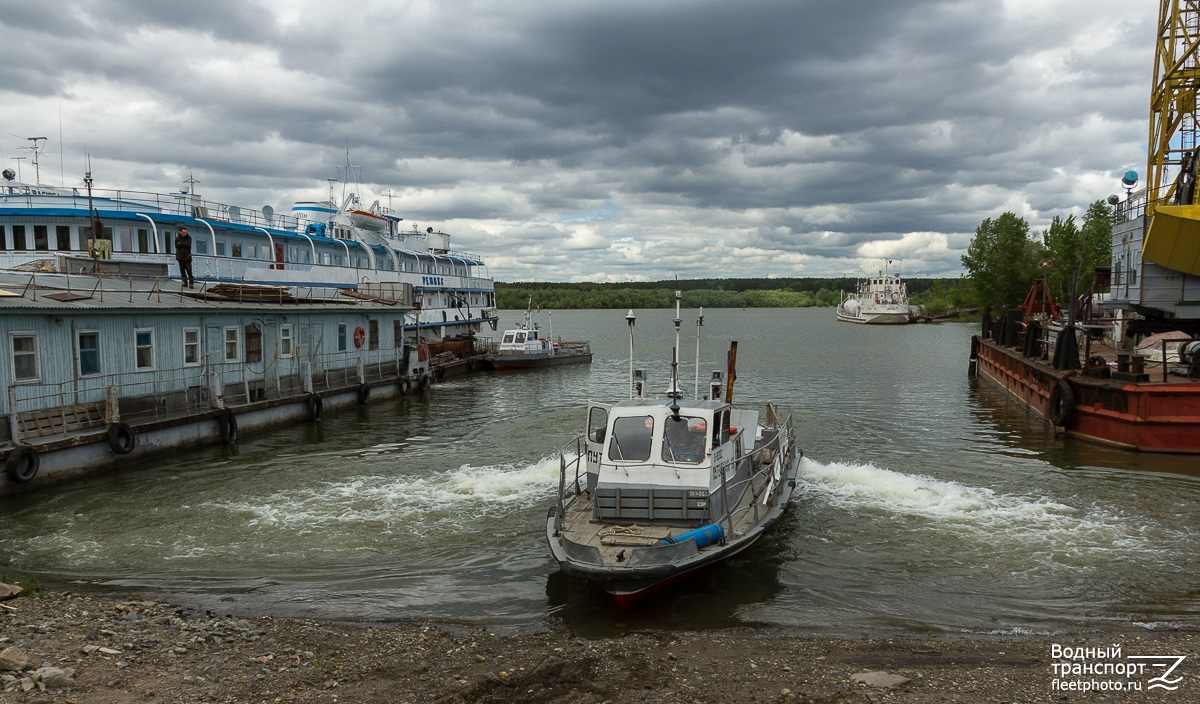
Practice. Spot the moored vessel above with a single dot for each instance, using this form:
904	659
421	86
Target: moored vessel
659	489
528	347
1107	389
879	300
114	358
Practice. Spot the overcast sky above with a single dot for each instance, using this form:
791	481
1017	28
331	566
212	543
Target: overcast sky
604	140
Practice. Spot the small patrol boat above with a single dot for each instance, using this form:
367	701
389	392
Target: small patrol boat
659	489
528	347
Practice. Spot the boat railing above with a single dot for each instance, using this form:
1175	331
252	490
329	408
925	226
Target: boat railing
766	465
570	460
41	410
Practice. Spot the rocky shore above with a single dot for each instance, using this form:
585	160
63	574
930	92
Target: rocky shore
88	649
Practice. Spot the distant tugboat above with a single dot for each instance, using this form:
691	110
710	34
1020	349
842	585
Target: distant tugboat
526	348
881	300
659	489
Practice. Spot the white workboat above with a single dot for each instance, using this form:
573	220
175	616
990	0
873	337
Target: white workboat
879	300
659	489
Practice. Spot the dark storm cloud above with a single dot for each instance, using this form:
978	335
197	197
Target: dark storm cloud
611	139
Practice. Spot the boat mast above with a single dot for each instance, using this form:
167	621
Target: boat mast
673	390
631	319
699	324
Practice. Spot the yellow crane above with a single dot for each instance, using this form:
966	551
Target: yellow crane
1173	215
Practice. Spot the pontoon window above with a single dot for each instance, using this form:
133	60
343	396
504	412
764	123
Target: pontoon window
684	440
87	344
143	343
631	438
24	357
191	347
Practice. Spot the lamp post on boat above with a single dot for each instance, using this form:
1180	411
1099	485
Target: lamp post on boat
699	324
631	319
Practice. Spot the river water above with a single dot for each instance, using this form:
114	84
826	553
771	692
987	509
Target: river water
928	502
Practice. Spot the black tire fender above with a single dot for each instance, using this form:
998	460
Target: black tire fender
227	427
364	393
1061	404
315	406
22	463
405	387
121	438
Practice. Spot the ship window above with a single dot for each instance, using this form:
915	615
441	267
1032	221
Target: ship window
597	422
508	338
201	246
220	249
233	348
24	357
18	237
725	426
684	440
191	347
143	343
237	249
63	235
41	241
3	239
520	338
87	342
143	240
631	438
286	348
373	340
254	350
341	337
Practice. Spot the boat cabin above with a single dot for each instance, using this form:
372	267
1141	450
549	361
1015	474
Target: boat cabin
644	462
524	341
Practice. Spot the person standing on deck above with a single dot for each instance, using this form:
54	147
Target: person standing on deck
183	255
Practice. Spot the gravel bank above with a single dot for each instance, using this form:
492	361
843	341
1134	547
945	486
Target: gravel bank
87	649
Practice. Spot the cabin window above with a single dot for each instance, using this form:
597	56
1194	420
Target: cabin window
87	345
143	240
3	240
41	240
237	249
220	249
24	347
631	438
520	338
684	440
63	236
373	336
191	347
143	344
254	350
286	347
725	425
19	237
597	423
341	337
508	338
126	241
233	348
201	246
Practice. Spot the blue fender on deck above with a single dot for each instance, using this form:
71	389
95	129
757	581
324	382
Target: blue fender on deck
704	535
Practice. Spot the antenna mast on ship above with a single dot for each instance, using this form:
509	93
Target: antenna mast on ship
34	148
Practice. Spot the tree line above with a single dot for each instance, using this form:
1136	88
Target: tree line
1001	262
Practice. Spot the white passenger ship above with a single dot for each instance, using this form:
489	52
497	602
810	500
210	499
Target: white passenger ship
879	300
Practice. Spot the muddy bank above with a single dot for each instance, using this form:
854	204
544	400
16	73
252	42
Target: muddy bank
63	647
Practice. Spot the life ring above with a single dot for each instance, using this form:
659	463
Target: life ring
364	393
316	408
405	387
121	438
1061	405
22	463
360	336
227	427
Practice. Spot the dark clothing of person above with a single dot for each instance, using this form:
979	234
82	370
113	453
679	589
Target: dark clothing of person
183	255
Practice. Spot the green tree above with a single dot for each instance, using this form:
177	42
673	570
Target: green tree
1001	261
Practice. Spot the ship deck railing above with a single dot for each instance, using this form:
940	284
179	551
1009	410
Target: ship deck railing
39	412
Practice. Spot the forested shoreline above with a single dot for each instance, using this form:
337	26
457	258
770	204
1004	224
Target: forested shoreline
709	293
